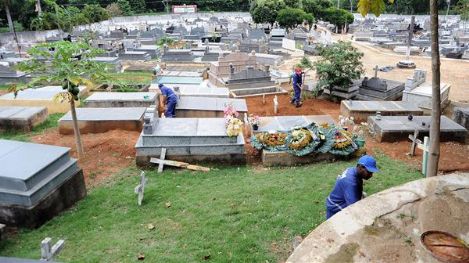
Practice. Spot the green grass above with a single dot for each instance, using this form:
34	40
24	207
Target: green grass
50	122
132	77
4	87
230	214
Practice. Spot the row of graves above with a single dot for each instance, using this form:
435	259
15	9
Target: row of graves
393	32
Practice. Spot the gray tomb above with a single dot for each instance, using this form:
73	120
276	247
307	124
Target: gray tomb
21	118
9	75
360	110
461	116
189	140
134	55
36	182
98	120
379	89
120	99
392	128
204	107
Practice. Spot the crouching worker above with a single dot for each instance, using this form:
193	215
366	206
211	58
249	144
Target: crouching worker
170	100
348	188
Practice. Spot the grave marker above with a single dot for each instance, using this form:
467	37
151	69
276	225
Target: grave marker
140	189
48	252
275	104
162	157
425	148
415	141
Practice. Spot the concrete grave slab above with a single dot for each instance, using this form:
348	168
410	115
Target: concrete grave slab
97	120
422	95
285	123
190	139
193	107
36	182
392	128
360	110
40	97
21	118
120	99
134	55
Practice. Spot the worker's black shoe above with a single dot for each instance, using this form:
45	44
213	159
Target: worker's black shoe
292	101
299	105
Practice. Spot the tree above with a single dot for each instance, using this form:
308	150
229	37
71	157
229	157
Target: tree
95	13
138	6
70	65
6	5
463	9
339	66
266	11
291	17
114	10
376	7
316	7
125	7
338	17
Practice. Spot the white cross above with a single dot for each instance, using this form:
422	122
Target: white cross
415	141
48	253
140	189
275	104
426	149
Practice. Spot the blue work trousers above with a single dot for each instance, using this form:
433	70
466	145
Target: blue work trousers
297	94
170	108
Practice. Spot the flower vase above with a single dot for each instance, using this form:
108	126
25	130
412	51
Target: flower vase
255	127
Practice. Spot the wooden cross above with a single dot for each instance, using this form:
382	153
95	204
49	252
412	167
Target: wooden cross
415	141
161	162
140	189
426	149
376	71
275	104
48	252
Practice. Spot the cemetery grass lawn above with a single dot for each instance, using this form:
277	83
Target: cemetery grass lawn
52	121
132	77
231	214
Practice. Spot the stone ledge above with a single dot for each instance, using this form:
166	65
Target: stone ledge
390	223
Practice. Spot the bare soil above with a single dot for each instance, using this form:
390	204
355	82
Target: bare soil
109	152
105	153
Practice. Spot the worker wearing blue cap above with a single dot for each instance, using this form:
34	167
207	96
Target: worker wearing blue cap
170	100
348	188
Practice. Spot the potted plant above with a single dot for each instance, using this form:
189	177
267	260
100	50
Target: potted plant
254	121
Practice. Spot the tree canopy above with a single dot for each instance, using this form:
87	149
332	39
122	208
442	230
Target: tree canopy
291	17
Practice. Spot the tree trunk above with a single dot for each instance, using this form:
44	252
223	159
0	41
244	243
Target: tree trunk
76	130
7	11
38	7
434	153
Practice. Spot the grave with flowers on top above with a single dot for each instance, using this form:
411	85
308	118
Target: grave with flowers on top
293	140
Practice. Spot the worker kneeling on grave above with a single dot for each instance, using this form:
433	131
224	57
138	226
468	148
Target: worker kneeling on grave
348	188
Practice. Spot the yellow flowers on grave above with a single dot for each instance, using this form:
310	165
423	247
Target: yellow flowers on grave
271	139
300	138
234	127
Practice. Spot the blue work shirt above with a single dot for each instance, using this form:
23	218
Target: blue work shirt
297	80
168	93
348	189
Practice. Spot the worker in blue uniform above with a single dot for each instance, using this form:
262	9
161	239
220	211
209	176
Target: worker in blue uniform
348	187
297	78
170	100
